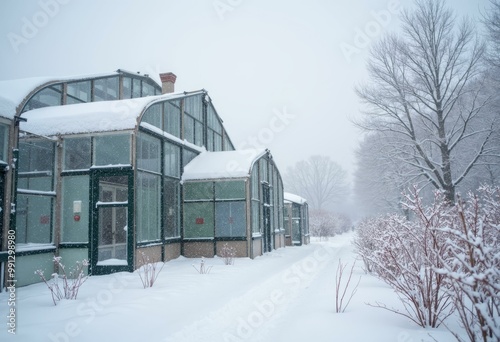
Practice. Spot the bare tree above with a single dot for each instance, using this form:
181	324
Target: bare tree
425	94
319	179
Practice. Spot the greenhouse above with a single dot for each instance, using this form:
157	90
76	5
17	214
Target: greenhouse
296	220
118	169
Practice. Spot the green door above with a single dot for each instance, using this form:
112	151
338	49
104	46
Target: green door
112	210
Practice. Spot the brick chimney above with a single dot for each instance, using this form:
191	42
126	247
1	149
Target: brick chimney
167	82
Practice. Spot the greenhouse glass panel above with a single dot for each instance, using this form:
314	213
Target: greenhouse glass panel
78	92
77	154
229	190
154	116
172	117
171	205
127	88
230	219
148	207
199	220
112	150
172	155
34	219
106	89
198	191
49	96
148	153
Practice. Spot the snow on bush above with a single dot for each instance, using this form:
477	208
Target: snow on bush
70	282
148	272
228	254
445	259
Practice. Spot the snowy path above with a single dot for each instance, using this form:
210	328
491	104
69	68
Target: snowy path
286	295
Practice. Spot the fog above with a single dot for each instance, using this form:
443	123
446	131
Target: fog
281	74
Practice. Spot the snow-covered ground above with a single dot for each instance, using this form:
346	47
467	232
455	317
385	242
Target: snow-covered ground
286	295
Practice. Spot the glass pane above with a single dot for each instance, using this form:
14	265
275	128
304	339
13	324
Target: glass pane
112	240
76	153
255	217
36	156
172	160
210	140
50	96
147	89
228	146
198	220
106	89
198	191
171	217
127	88
193	106
213	121
172	117
153	116
217	142
4	138
112	150
230	190
33	219
75	192
255	182
78	92
187	156
189	129
230	219
113	189
148	207
148	153
136	88
198	139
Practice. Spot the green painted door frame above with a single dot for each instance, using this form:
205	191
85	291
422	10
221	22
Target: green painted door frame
99	179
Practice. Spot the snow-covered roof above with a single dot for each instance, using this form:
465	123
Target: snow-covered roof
224	164
91	117
293	198
14	92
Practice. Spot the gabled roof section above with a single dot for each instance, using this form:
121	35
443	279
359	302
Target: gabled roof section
91	117
221	165
294	198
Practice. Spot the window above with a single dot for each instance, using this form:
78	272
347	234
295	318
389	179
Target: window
171	206
4	141
172	155
198	191
77	153
172	117
34	219
255	217
189	128
106	89
147	89
36	165
228	190
127	88
230	219
187	156
148	153
199	220
75	189
148	207
193	120
153	116
112	150
49	96
78	92
136	88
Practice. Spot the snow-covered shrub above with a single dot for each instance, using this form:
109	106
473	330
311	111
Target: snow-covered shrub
405	254
474	266
202	269
148	272
364	240
322	224
70	282
228	254
342	285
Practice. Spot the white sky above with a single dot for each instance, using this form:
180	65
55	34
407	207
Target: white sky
255	58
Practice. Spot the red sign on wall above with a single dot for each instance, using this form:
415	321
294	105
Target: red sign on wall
44	219
200	220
